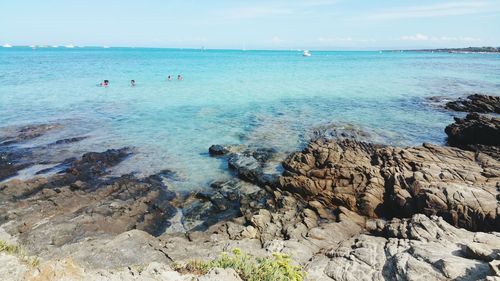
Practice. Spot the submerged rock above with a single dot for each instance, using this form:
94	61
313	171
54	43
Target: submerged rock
224	201
16	155
29	132
218	150
476	103
9	167
250	164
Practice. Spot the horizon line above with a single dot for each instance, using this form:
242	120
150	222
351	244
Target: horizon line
71	46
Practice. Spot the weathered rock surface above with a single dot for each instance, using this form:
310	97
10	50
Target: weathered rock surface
325	210
477	133
476	103
13	269
48	213
386	181
420	248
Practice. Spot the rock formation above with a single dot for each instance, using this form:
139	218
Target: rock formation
476	103
343	208
397	182
477	133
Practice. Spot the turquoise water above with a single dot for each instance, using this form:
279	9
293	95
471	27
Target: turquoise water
261	98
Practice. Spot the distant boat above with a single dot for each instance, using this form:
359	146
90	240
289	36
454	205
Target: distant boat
306	53
69	46
7	46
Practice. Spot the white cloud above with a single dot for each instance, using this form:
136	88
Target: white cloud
275	9
257	12
422	37
276	40
416	37
343	39
435	10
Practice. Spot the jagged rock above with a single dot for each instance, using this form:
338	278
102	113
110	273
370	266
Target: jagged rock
226	200
47	213
476	103
477	133
420	248
249	164
377	181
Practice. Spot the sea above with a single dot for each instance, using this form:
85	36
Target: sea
269	99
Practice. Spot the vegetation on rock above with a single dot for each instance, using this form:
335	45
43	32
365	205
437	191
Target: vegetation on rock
277	267
19	252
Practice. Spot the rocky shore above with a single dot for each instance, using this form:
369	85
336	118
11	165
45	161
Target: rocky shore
343	208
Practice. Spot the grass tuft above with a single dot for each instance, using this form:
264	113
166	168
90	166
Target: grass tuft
275	268
19	252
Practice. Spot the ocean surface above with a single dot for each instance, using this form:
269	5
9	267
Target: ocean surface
257	98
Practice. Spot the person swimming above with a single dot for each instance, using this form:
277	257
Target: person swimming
179	77
132	83
169	78
105	83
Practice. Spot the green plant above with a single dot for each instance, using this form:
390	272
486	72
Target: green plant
18	251
277	267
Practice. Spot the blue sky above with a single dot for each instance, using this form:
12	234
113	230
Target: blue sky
257	24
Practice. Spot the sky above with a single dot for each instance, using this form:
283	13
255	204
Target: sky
257	24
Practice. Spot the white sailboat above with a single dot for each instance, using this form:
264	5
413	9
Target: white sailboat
306	53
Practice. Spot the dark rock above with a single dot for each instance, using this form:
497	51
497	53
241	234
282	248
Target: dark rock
8	166
476	133
249	166
17	135
78	205
69	140
217	150
95	164
33	131
474	129
476	103
63	166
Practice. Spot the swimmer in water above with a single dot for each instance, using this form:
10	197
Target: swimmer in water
179	77
132	83
169	78
105	83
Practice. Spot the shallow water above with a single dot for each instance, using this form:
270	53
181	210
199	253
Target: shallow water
262	98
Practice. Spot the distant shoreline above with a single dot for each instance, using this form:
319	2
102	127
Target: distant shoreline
479	50
484	50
